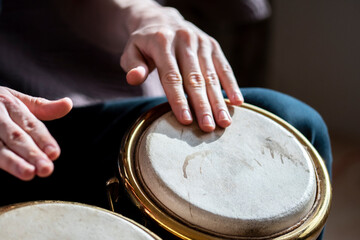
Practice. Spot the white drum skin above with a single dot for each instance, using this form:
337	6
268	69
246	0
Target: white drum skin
66	221
252	178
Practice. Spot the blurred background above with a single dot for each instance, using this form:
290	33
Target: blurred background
307	49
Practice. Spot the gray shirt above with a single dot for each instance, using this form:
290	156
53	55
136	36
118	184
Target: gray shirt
41	56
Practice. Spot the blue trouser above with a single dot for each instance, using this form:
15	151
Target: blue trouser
90	139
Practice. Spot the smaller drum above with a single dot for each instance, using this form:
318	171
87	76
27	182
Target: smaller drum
257	179
58	220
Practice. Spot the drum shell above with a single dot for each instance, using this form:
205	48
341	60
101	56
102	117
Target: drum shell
309	228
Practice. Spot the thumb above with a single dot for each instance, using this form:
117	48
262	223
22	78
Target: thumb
135	65
45	109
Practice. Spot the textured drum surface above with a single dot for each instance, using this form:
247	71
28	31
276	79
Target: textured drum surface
63	221
252	178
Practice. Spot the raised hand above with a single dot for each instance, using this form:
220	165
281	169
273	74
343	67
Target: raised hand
26	146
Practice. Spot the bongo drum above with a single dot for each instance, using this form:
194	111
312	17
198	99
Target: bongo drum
257	179
47	220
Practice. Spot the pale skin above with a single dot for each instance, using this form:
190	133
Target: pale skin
187	59
26	147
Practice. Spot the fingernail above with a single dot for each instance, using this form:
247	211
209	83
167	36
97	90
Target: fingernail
223	115
43	162
26	170
187	115
44	167
141	69
238	97
207	121
51	151
26	173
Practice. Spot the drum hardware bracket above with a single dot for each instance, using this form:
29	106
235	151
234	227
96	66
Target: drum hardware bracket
112	189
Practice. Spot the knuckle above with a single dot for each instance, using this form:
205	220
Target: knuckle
29	125
234	86
186	35
172	11
180	101
32	154
195	80
226	68
220	105
16	136
8	100
163	37
167	53
172	78
204	43
37	101
204	106
189	53
211	79
214	43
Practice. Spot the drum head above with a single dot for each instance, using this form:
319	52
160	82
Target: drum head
256	179
253	176
70	221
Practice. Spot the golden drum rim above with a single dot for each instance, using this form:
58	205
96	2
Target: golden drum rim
309	229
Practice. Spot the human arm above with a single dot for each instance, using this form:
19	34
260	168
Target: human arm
187	59
27	148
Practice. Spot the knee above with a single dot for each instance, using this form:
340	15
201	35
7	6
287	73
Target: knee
308	121
300	115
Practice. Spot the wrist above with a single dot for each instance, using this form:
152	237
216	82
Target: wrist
137	13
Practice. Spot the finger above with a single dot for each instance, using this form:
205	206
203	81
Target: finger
134	64
172	83
23	145
194	82
15	165
226	75
21	115
213	88
42	108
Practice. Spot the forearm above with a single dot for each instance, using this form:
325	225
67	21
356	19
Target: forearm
187	59
106	23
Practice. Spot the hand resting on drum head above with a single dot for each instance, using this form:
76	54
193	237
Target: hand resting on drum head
188	61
